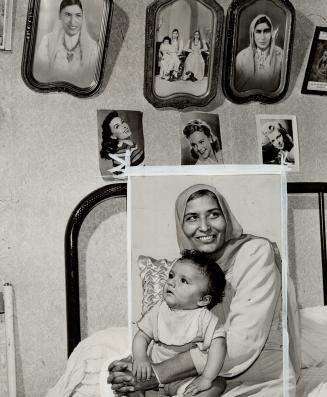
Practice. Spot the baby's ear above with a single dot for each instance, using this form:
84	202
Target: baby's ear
204	301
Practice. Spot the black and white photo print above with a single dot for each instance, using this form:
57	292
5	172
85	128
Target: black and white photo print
200	139
121	142
278	140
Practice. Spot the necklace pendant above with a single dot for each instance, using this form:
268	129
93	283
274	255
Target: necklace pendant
70	56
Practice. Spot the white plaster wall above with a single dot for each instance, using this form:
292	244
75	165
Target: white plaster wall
48	162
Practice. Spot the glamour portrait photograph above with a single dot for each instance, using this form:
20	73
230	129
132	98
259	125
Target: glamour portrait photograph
206	285
278	140
183	47
66	47
121	142
200	139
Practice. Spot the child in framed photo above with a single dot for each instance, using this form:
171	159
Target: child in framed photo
278	140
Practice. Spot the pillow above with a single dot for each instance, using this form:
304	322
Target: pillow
313	325
154	274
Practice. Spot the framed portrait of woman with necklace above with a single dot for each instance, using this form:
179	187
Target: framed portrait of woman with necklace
258	46
65	45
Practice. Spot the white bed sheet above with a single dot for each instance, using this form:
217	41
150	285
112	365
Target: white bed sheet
312	382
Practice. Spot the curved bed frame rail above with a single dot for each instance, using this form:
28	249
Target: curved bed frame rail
120	190
74	224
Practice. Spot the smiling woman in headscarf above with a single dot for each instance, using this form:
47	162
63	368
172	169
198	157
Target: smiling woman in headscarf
258	66
68	53
251	309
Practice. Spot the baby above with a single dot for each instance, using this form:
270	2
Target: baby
182	321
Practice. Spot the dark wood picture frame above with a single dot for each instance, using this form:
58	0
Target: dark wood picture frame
315	78
86	83
250	74
197	91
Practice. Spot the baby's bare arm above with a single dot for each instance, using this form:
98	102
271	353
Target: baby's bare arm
141	364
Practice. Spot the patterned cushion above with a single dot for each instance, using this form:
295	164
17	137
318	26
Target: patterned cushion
153	274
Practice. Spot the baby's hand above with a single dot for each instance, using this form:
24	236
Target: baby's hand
198	384
142	369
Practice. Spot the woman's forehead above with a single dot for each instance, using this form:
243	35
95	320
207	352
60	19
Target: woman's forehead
73	9
262	26
201	204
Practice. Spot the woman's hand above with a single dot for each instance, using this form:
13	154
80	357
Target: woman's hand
120	376
199	384
123	381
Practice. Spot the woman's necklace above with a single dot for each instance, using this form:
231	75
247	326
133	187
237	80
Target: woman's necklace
70	51
262	58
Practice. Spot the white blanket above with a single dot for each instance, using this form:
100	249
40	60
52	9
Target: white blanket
86	371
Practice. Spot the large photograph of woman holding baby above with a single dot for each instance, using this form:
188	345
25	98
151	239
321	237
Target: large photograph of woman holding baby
206	287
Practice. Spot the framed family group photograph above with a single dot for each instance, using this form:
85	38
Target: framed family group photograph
6	15
65	45
315	80
258	48
182	52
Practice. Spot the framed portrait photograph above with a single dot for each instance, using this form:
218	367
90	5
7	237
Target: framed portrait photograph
121	142
6	14
315	79
200	139
278	140
65	45
186	231
182	51
258	48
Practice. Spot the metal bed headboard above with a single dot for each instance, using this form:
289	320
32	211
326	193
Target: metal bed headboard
120	190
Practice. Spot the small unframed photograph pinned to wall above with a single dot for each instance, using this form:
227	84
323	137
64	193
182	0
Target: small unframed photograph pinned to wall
121	142
200	139
278	140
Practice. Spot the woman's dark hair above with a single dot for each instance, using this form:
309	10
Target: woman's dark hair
263	19
109	145
200	38
166	38
207	266
66	3
199	125
201	193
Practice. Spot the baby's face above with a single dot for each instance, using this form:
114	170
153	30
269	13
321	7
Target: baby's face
185	287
